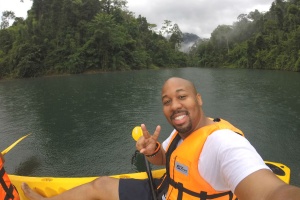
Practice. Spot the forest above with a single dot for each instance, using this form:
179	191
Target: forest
76	36
258	40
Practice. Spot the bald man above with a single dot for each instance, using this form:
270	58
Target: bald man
205	158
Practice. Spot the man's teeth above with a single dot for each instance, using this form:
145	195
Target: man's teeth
180	117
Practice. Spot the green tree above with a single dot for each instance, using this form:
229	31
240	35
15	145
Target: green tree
73	36
6	16
176	37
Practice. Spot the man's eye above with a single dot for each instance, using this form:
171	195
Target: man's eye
166	102
182	97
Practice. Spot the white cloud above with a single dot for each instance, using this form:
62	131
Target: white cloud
20	9
194	16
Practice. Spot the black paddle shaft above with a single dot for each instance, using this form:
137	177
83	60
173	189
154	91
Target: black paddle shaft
150	179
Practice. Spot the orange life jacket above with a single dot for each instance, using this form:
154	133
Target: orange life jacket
185	181
7	189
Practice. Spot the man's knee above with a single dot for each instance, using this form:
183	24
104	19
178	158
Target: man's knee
106	183
100	182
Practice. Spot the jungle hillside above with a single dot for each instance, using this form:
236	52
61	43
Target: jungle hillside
77	36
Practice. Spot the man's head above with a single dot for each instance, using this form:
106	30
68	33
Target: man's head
182	105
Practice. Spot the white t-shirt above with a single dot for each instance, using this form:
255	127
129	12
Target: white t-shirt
228	158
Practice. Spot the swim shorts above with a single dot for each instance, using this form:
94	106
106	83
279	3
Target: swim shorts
133	189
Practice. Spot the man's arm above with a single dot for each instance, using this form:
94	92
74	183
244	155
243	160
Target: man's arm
159	158
265	185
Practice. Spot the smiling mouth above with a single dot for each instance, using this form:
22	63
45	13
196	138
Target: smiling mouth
179	116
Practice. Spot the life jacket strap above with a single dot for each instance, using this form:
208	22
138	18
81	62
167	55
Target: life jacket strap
202	195
8	190
163	185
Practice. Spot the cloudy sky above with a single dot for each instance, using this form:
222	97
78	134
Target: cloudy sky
194	16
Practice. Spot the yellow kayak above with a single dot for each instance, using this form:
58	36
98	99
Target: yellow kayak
50	186
282	171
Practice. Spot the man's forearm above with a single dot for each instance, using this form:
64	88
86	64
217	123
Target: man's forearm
159	158
285	192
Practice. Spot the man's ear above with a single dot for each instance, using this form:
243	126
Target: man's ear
199	99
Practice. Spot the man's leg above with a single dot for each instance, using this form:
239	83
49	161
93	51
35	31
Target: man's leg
102	188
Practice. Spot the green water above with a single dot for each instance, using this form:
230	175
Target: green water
81	124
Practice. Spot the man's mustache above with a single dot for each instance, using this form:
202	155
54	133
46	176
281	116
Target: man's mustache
179	111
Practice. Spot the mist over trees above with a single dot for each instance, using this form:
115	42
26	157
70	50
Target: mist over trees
258	40
75	36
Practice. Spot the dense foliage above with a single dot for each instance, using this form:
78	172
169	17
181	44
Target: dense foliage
269	40
74	36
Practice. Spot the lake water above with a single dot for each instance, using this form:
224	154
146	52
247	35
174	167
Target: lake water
81	124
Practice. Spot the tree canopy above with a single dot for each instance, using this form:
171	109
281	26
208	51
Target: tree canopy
258	40
75	36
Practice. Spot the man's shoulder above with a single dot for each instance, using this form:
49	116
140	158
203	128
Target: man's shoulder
225	136
230	154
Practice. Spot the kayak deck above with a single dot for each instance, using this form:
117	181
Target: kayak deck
50	186
282	171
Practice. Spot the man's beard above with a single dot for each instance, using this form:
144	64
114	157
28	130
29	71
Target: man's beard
184	130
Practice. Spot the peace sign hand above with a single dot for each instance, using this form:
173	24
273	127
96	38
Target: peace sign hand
146	144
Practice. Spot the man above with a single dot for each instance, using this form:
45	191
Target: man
204	158
7	190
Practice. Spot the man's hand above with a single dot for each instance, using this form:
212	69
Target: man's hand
146	144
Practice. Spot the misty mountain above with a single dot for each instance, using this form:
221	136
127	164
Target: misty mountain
189	39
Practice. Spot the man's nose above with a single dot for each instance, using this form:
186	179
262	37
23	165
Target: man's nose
176	104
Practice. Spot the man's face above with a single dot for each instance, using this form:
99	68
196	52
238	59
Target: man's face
181	105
